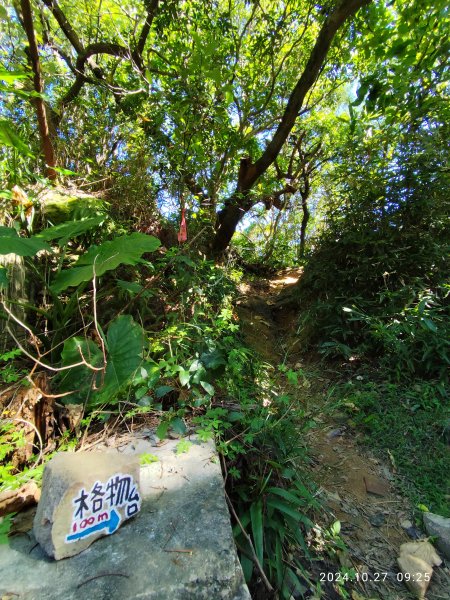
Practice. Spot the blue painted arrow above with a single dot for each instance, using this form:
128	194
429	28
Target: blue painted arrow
112	525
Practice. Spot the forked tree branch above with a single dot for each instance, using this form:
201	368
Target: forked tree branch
343	11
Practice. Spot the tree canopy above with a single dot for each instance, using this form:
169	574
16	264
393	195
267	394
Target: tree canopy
224	104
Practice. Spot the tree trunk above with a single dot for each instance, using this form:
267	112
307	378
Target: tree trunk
305	219
271	245
227	221
46	142
249	172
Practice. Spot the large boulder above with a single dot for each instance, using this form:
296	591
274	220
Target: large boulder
61	204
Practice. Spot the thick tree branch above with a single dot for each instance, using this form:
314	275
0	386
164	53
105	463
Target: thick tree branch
85	55
196	190
152	7
46	142
101	48
343	11
275	200
93	49
242	200
66	27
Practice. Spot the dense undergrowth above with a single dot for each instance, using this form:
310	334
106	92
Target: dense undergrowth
105	321
375	296
123	332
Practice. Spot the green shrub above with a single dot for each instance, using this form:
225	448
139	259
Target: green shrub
376	286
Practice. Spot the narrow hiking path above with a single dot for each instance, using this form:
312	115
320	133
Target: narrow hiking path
356	489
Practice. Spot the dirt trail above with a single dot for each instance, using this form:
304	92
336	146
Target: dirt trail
357	489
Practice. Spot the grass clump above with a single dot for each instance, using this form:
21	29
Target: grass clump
409	426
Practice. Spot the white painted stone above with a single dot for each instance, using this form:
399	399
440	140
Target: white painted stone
85	495
180	546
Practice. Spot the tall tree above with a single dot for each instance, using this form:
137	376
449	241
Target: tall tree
215	90
241	201
41	112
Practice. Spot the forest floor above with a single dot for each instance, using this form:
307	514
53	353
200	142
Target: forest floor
356	488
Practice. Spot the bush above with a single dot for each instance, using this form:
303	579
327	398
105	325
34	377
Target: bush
377	284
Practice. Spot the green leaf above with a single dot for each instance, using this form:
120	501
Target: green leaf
178	425
125	344
287	510
133	288
289	496
235	415
148	459
69	230
10	138
163	390
207	387
9	232
3	278
279	561
214	359
186	260
145	401
62	171
127	249
298	587
256	515
140	392
335	528
184	376
422	306
11	76
79	380
429	324
123	357
247	567
162	429
306	494
183	446
11	243
5	526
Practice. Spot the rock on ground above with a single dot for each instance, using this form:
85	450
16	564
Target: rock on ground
85	495
438	526
179	547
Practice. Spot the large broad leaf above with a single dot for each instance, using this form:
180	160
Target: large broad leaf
125	344
11	243
79	380
66	231
123	356
126	249
9	137
8	232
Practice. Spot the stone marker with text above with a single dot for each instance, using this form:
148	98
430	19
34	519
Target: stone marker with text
85	496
